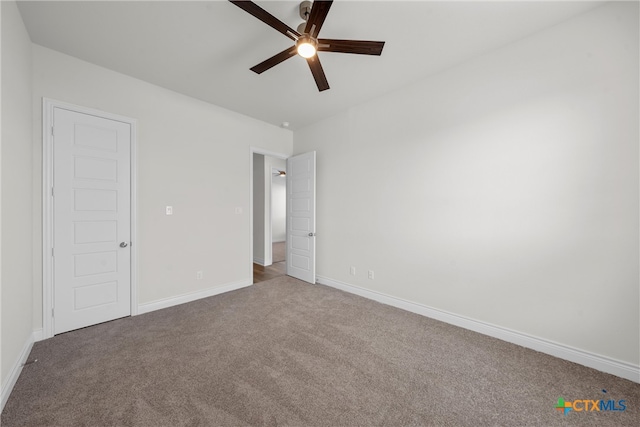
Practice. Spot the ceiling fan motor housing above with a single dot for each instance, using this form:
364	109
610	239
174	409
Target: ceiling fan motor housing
305	10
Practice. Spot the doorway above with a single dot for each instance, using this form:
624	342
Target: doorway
269	217
300	247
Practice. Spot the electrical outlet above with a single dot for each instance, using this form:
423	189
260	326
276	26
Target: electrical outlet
371	274
199	275
353	271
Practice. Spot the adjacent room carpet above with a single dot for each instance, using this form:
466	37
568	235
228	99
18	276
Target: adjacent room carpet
283	352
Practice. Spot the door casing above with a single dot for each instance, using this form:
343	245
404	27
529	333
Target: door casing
47	206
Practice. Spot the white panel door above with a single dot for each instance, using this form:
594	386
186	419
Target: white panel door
91	219
301	217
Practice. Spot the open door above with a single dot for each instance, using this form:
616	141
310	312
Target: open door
301	217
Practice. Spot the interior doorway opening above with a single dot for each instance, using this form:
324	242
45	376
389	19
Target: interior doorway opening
269	216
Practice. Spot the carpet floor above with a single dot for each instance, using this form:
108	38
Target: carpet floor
283	352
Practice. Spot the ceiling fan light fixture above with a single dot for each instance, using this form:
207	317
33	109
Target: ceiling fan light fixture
306	38
306	46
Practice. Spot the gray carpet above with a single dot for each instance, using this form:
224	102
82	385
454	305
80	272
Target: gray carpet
283	352
278	251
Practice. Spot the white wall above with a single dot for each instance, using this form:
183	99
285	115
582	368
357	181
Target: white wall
191	155
278	201
2	376
16	166
504	190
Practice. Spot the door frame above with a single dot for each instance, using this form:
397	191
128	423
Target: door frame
252	151
48	106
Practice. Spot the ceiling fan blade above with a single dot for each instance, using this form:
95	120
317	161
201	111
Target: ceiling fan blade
318	73
267	18
274	60
319	11
360	47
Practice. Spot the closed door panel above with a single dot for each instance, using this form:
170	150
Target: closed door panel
92	219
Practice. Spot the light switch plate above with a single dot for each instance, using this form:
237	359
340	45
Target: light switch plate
169	210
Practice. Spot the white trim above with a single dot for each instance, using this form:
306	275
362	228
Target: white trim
47	206
38	335
259	261
258	150
133	206
192	296
268	247
16	369
585	358
47	219
252	151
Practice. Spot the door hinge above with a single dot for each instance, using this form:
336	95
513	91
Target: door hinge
53	312
52	133
52	253
51	191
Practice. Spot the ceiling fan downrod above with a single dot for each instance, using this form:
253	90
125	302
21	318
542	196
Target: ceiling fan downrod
305	11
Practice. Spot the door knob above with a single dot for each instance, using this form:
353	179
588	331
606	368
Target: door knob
124	244
312	234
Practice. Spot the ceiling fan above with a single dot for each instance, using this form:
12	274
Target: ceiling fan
307	43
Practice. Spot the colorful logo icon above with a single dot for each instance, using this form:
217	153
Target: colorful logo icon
588	405
564	406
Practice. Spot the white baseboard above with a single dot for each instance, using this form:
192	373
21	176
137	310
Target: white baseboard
184	298
38	335
16	369
263	262
591	360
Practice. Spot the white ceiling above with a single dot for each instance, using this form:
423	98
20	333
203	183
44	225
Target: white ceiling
204	49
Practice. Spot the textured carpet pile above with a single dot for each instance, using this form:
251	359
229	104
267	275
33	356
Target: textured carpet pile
283	352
